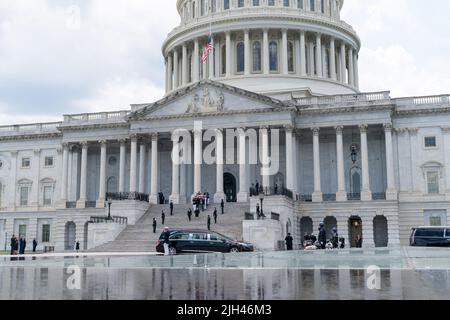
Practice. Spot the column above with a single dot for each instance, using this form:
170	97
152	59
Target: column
266	62
184	65
37	178
175	196
13	176
64	175
351	74
211	60
123	151
142	152
81	203
133	164
311	59
182	183
366	194
264	131
284	51
247	52
391	192
317	195
332	62
243	185
198	146
343	64
176	70
294	163
170	72
75	162
302	54
154	176
319	55
341	195
355	67
289	158
196	66
228	53
220	194
102	183
70	174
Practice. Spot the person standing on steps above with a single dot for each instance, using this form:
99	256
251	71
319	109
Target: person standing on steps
171	208
222	206
77	246
189	214
166	237
163	217
197	212
209	223
35	244
215	215
155	224
289	242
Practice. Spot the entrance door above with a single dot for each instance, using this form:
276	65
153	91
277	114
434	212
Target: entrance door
355	227
70	236
229	185
381	235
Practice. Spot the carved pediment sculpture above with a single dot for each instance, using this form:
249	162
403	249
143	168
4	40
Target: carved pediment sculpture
207	103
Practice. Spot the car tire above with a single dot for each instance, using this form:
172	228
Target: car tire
173	251
234	250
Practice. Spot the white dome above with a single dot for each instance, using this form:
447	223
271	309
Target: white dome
274	47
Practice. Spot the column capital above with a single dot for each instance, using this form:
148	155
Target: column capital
102	142
446	129
289	128
37	151
123	141
218	131
246	30
339	129
264	127
265	30
401	130
14	153
66	145
316	131
198	132
154	136
241	131
363	128
134	137
84	144
388	127
413	131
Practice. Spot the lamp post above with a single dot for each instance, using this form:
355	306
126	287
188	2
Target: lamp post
109	209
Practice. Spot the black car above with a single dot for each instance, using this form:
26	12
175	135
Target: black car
184	240
430	237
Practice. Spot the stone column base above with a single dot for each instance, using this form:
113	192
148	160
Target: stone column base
61	204
317	197
391	195
242	197
366	195
153	199
219	196
81	204
100	204
175	198
341	196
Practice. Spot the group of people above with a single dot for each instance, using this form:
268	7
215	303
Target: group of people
18	246
201	201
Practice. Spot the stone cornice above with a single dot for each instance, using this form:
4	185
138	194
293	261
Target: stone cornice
31	136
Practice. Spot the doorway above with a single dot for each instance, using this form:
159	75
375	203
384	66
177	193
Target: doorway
229	185
355	227
70	235
380	230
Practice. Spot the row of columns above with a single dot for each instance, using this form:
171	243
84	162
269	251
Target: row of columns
177	68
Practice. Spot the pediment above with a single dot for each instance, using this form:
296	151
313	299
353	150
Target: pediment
203	98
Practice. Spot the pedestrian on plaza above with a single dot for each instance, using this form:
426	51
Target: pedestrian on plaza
35	244
166	237
209	222
197	212
163	217
189	214
335	238
171	207
215	215
155	224
289	242
322	236
23	245
77	246
222	206
13	244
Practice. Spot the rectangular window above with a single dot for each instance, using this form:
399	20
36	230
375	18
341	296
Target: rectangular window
433	182
226	4
430	142
23	230
435	221
48	191
271	3
49	161
46	233
256	3
300	4
24	196
26	162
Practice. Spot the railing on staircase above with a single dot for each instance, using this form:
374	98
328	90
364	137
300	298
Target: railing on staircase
122	196
119	220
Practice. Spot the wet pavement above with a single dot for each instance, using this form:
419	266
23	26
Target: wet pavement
404	273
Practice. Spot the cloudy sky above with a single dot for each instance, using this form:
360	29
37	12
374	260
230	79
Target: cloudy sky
52	63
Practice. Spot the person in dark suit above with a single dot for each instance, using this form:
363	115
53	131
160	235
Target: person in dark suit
222	206
13	244
155	224
171	208
209	223
189	214
23	245
289	242
35	244
163	217
215	215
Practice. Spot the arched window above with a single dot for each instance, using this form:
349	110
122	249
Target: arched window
226	4
224	59
240	57
312	5
257	56
273	56
290	57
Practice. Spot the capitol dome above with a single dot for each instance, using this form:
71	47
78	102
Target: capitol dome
279	48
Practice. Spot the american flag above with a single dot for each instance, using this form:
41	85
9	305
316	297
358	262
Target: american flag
207	49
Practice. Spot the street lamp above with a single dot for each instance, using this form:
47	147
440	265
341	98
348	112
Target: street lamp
109	209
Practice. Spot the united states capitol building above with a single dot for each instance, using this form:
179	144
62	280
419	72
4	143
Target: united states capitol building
279	90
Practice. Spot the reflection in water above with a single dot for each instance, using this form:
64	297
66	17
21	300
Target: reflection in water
215	284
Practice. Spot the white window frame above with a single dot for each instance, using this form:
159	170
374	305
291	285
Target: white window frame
429	214
433	167
433	147
22	162
45	162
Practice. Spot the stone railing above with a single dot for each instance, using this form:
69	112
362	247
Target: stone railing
122	196
34	128
423	101
119	220
95	117
363	98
